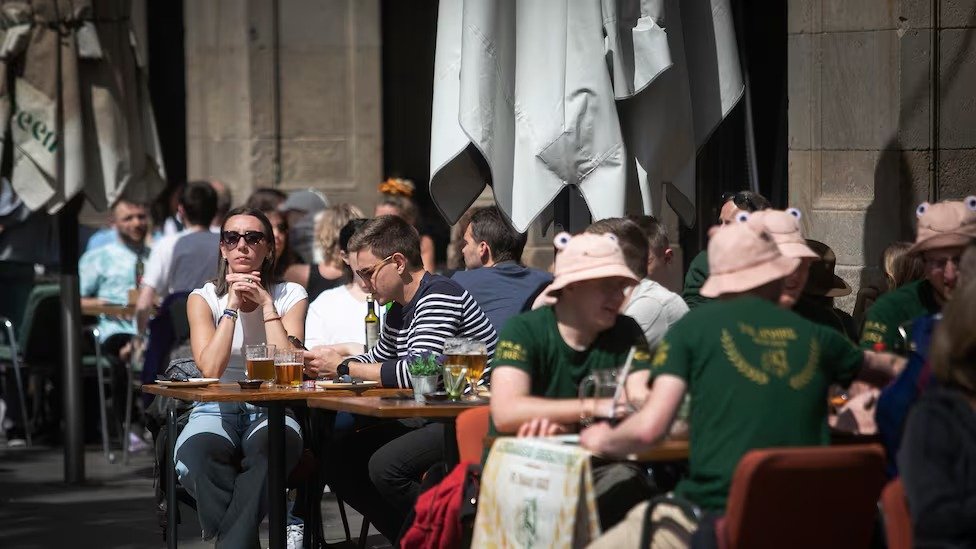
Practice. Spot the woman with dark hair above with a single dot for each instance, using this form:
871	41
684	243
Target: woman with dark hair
242	306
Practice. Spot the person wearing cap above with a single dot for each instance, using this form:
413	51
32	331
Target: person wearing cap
784	228
757	375
732	205
816	303
944	229
542	355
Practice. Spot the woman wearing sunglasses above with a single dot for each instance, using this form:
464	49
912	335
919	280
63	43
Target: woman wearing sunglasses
221	453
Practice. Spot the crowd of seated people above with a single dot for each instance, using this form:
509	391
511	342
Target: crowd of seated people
754	330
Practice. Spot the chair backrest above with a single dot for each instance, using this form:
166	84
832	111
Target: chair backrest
17	280
177	316
40	337
472	428
804	497
897	520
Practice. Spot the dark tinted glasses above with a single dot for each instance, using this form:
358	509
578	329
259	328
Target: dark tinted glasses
741	200
231	238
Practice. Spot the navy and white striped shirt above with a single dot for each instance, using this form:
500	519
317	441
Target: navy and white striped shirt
440	309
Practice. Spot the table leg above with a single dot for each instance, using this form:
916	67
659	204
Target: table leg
170	464
451	457
276	474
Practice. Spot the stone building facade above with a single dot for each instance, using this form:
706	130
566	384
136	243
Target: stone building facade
863	96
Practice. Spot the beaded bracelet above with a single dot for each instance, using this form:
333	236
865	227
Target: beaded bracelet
229	313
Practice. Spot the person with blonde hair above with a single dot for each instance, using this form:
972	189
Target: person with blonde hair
396	198
332	272
938	452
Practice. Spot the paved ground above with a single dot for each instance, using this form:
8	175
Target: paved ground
114	508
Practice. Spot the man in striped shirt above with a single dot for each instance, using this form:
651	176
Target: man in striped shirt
378	469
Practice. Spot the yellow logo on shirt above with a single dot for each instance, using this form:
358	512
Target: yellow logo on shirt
509	350
661	356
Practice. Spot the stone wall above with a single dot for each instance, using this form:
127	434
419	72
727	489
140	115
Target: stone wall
329	97
860	145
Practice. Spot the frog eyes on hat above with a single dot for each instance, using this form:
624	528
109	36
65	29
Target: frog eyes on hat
921	209
742	217
970	202
561	240
794	212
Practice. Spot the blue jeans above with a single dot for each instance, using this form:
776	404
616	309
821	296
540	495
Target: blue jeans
221	460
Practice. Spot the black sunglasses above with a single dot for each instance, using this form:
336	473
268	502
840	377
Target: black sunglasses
741	200
231	238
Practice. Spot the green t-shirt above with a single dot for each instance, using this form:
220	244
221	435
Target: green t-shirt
895	308
697	274
531	342
757	376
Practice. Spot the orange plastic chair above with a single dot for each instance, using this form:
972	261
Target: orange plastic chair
472	428
897	520
803	497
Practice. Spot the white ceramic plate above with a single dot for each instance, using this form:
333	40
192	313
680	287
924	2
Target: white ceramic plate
193	382
329	384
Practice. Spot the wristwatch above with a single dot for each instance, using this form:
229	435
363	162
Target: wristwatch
343	368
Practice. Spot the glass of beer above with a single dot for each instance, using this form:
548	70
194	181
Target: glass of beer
259	362
470	354
288	365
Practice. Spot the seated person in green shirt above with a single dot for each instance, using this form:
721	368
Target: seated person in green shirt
757	375
732	205
944	229
542	356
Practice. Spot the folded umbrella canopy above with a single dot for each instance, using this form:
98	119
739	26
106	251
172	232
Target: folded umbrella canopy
533	96
83	52
73	94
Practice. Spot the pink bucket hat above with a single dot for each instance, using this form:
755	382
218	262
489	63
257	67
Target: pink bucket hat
741	257
584	257
945	224
784	227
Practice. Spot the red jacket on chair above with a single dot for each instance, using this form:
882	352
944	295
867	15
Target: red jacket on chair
437	524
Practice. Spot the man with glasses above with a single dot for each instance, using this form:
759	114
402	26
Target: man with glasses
379	469
732	205
944	230
911	313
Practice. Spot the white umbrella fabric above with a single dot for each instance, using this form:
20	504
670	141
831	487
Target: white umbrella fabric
108	134
533	96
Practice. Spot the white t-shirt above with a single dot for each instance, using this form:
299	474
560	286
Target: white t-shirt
655	308
336	316
249	328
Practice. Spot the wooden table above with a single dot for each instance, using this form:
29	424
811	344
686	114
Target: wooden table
669	450
110	309
275	400
377	406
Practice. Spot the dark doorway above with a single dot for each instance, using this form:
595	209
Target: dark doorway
167	82
723	162
409	32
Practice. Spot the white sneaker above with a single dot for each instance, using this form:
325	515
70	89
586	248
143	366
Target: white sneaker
295	536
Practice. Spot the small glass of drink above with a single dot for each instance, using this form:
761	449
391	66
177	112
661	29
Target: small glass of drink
288	365
259	362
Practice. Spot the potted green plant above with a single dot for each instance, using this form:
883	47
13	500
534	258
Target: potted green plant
424	368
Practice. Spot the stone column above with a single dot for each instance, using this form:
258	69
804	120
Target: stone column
319	127
860	105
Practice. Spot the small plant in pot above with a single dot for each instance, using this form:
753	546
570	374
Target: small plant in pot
424	368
